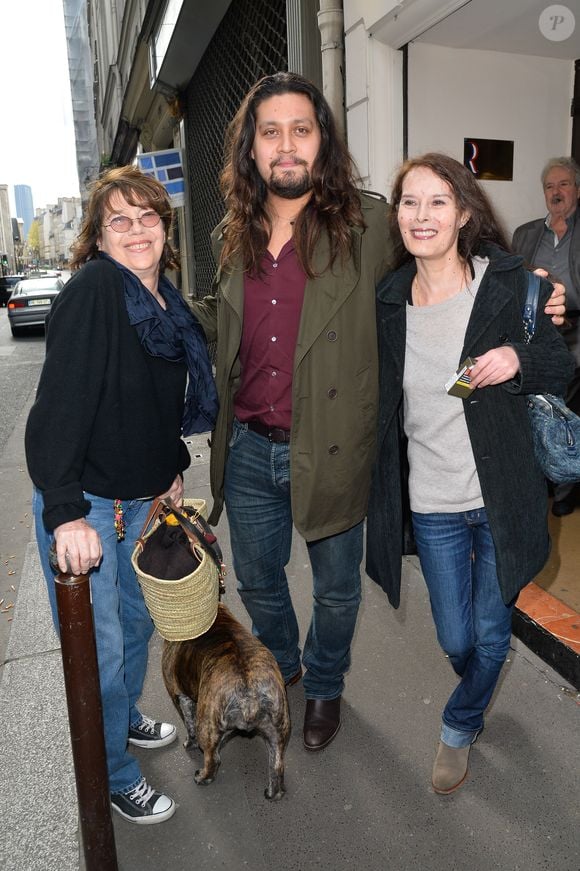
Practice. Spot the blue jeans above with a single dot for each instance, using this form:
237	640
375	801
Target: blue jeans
473	624
257	497
122	623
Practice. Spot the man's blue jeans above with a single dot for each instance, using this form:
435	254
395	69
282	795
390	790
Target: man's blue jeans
473	624
123	627
257	496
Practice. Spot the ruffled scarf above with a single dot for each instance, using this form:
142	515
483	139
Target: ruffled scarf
176	335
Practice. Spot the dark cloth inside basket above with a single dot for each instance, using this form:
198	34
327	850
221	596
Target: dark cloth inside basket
167	554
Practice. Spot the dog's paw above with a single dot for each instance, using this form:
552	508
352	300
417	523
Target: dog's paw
274	795
190	744
201	779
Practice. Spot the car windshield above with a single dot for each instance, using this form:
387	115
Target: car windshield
33	285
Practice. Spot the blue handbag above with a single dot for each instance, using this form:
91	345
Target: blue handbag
555	429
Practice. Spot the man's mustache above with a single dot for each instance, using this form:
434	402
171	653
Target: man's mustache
297	161
556	200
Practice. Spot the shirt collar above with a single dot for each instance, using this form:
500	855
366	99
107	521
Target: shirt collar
570	220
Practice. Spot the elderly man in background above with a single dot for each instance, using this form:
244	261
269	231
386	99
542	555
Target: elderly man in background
553	243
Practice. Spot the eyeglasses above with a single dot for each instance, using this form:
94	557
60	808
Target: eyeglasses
122	223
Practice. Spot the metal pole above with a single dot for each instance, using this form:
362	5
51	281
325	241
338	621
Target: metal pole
331	26
81	677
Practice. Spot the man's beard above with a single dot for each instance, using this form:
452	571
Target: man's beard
289	184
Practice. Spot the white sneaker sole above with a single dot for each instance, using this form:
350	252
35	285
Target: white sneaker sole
154	743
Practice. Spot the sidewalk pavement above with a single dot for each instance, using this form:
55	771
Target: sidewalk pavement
364	802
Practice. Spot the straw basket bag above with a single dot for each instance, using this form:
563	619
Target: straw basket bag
187	606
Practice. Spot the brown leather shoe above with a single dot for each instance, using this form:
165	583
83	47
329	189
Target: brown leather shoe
321	722
294	679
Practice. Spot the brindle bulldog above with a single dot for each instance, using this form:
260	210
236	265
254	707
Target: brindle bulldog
224	682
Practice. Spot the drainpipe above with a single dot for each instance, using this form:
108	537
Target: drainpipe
331	26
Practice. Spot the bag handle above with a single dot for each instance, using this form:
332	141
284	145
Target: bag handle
198	527
531	307
156	512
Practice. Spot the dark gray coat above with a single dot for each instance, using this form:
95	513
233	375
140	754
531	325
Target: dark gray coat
527	240
513	486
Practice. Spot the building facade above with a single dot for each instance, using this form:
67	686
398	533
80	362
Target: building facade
173	74
402	76
6	240
24	205
81	85
425	75
58	227
18	240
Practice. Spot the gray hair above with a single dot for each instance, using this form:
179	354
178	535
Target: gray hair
566	163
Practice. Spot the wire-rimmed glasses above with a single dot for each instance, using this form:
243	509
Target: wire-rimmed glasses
123	223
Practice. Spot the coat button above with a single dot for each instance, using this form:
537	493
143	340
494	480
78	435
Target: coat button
331	336
333	449
332	393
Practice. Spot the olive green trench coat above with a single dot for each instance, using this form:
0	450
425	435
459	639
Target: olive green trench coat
335	381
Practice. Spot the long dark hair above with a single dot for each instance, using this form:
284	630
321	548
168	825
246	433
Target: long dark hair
482	226
335	202
138	190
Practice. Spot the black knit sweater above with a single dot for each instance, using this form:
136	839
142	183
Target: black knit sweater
107	417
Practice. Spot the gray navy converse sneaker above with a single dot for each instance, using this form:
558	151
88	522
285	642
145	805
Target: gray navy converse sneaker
151	734
143	805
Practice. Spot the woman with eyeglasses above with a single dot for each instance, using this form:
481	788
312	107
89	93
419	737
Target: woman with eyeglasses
126	374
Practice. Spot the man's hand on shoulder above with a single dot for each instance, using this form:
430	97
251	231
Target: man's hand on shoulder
556	306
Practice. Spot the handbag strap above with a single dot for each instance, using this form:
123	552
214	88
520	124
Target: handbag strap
531	306
156	512
198	527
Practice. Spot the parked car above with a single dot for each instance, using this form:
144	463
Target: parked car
30	302
43	273
7	284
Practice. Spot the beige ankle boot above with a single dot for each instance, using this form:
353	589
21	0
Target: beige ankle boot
449	768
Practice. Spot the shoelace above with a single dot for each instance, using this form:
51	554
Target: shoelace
147	725
142	793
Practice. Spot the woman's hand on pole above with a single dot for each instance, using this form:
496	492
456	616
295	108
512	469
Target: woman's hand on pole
78	547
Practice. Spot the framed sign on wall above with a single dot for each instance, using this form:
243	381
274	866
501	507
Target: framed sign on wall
489	158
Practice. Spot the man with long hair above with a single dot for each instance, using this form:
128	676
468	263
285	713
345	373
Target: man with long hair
300	252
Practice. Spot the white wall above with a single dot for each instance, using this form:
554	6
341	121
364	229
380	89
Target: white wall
456	93
374	106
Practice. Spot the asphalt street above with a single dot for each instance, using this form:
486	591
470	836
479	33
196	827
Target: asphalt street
20	364
363	803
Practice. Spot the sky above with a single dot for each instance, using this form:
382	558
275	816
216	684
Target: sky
37	144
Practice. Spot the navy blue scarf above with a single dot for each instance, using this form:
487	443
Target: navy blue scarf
176	335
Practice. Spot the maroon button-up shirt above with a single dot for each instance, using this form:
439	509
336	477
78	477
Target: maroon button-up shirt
272	308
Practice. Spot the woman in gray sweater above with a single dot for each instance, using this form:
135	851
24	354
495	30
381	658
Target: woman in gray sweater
477	496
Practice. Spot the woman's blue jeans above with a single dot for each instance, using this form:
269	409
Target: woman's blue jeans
473	624
257	496
122	623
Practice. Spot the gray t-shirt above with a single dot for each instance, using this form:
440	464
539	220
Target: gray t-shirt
443	477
